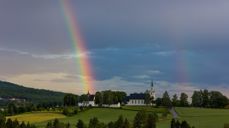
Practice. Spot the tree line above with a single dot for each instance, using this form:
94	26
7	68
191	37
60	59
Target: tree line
105	97
141	120
13	124
202	98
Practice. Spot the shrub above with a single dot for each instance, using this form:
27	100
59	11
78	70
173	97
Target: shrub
226	125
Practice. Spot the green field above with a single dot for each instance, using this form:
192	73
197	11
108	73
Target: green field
35	117
204	118
103	114
198	117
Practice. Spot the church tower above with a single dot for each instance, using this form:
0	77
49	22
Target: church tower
152	91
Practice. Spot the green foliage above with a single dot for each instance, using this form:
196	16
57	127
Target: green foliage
13	124
12	109
226	125
57	124
70	100
197	100
140	119
36	96
166	100
213	99
70	111
99	98
110	97
175	100
148	99
158	102
151	121
80	124
184	100
93	123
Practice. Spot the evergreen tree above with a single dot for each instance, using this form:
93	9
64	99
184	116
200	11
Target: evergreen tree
166	100
177	124
126	124
184	124
119	123
173	123
9	123
147	99
184	100
151	121
111	125
2	121
94	122
140	119
205	98
80	124
175	100
98	98
197	99
23	125
49	125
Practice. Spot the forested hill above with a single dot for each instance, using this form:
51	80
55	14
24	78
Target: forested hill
10	91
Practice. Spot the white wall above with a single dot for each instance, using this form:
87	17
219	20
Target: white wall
136	102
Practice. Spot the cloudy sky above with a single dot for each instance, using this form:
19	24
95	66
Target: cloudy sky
181	45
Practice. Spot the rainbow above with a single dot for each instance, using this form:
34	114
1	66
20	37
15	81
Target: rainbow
83	61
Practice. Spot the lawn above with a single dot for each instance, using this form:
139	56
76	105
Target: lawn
204	118
146	108
35	117
105	115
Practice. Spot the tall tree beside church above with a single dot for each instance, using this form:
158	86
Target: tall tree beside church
147	98
197	99
184	100
166	100
175	100
70	100
205	97
98	98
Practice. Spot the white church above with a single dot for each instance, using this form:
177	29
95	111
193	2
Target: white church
138	99
135	99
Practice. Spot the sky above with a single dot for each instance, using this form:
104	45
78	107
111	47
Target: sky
181	45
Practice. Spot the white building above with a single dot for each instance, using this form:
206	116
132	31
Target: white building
90	102
138	99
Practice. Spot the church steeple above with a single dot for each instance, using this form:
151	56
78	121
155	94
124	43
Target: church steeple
152	84
152	90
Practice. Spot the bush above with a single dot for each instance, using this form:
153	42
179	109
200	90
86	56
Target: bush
226	125
70	111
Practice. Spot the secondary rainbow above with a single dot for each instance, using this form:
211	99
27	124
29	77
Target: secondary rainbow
83	60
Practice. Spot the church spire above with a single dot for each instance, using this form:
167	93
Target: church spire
152	84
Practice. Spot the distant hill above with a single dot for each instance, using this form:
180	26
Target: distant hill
10	92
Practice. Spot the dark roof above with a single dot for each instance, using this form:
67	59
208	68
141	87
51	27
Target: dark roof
136	96
91	97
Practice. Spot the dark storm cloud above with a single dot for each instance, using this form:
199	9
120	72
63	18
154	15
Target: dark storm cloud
126	39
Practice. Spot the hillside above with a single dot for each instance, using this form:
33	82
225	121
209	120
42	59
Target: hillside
9	91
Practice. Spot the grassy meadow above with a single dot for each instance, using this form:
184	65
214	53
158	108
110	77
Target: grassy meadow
35	117
204	118
198	117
